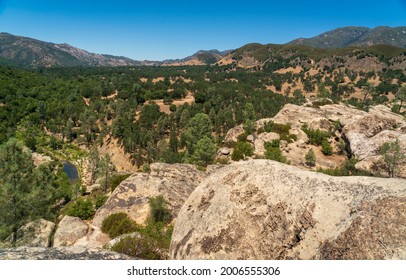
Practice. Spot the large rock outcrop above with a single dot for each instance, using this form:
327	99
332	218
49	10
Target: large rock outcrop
65	253
175	182
263	209
363	132
69	230
37	233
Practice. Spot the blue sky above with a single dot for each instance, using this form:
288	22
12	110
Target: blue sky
157	30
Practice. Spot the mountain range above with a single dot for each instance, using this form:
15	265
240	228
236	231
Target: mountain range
28	52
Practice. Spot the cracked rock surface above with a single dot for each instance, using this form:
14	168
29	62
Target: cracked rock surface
262	209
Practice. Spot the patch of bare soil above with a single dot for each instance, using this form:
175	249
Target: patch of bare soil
119	158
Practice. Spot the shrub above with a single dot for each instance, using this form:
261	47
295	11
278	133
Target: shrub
242	149
317	136
100	201
117	180
118	224
143	247
81	208
310	158
242	137
326	148
274	153
159	212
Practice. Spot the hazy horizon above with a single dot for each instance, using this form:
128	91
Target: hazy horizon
160	30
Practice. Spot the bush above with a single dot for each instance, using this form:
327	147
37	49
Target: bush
317	136
274	153
242	137
100	201
159	212
326	148
81	208
310	158
118	224
242	149
117	180
143	247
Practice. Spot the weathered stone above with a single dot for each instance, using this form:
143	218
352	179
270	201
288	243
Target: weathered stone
250	138
175	182
34	234
69	230
224	151
121	237
320	123
63	253
364	132
301	144
267	210
232	134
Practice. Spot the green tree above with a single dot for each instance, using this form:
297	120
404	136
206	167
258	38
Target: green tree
310	158
249	118
326	148
242	149
204	151
105	171
392	156
22	197
401	96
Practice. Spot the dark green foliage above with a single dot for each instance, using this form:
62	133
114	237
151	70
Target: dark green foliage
310	158
117	179
204	151
154	238
100	201
242	149
392	156
26	192
317	136
326	148
143	247
158	210
81	208
347	169
273	152
118	224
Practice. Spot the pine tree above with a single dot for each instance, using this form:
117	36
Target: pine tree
310	158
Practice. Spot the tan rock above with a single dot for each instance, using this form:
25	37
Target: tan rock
233	133
34	234
175	182
266	210
69	230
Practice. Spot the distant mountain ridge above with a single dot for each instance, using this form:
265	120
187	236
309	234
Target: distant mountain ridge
23	51
356	36
27	52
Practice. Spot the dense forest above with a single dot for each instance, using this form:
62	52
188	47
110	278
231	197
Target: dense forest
168	114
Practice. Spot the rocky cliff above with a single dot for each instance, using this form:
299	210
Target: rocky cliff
262	209
66	253
363	132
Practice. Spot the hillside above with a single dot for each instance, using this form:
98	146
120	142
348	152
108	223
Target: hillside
28	52
356	36
23	51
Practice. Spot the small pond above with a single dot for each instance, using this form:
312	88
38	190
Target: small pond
71	171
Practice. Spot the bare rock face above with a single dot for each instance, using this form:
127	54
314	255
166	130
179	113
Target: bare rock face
262	209
69	230
364	133
34	234
175	182
233	133
65	253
